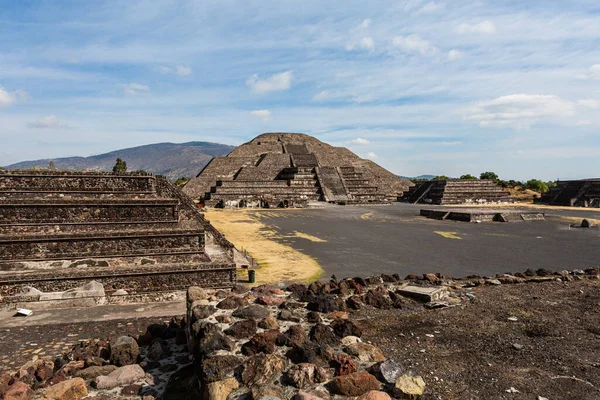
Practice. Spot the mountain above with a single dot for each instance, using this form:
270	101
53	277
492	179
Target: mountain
173	160
418	177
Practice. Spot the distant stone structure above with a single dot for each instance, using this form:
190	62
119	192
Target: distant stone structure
65	235
580	193
457	191
290	169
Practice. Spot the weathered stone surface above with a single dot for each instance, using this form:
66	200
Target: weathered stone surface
344	365
296	288
131	390
355	384
269	300
94	362
124	351
219	367
231	303
269	323
377	299
221	389
313	317
157	352
70	368
242	329
326	304
261	343
223	319
18	391
202	311
338	315
375	395
409	386
210	339
345	327
5	381
253	311
121	376
95	371
71	389
286	315
195	293
262	369
267	392
425	294
267	290
387	371
305	374
310	352
295	335
323	335
365	352
348	340
353	302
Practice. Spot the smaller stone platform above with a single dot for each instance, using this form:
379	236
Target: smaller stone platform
483	215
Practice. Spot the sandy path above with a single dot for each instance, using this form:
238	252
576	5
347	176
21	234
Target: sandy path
277	262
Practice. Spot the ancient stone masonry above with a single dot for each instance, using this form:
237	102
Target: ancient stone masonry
581	193
131	232
457	191
291	169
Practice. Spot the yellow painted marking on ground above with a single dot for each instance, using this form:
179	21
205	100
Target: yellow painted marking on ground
366	216
448	235
277	261
309	237
496	234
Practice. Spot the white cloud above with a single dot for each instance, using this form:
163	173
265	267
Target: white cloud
486	27
360	38
275	83
9	98
431	7
182	70
372	155
593	73
47	122
520	110
589	103
135	89
322	95
414	44
366	23
360	141
454	55
264	115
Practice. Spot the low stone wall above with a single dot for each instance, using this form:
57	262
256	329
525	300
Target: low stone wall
74	181
113	244
57	211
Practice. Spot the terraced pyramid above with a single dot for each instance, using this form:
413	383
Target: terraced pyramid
276	169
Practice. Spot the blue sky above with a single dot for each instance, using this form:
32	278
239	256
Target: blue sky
448	87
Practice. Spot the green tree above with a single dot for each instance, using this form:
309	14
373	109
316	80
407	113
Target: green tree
536	185
52	166
468	177
181	181
440	178
488	175
120	167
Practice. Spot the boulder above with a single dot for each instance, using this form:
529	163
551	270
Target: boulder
221	389
376	299
269	323
387	371
231	303
262	369
365	352
95	371
70	368
269	300
5	381
311	395
218	367
195	293
202	311
286	315
344	365
124	351
326	304
310	352
242	329
345	327
261	343
348	340
209	338
296	288
355	384
71	389
409	386
338	315
253	311
295	336
157	352
353	302
375	395
304	375
267	290
267	392
323	335
18	391
121	376
313	317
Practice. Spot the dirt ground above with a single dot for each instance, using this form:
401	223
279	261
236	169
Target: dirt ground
473	351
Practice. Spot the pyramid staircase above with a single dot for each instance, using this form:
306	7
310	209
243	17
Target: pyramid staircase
580	193
135	232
